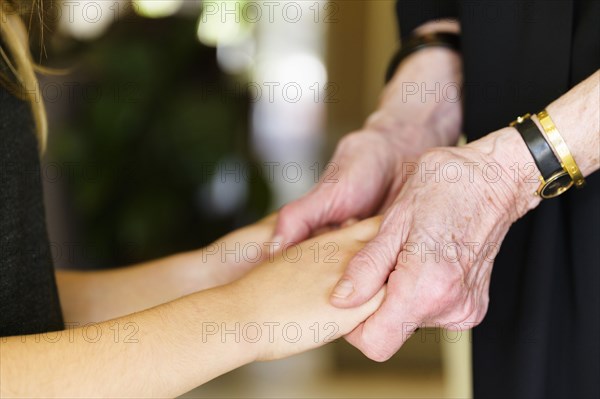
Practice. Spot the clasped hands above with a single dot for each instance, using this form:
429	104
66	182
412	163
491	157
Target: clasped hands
445	214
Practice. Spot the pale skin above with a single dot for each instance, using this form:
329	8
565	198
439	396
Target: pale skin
176	352
463	220
280	308
370	160
94	296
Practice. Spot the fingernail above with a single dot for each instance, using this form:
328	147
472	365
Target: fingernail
343	289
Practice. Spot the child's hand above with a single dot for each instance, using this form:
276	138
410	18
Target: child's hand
289	295
233	255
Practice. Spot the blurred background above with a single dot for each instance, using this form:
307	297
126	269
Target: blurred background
178	121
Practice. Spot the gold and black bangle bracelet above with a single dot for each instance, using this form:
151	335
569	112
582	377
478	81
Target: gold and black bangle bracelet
554	180
560	147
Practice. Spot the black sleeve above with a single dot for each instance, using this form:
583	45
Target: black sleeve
413	13
29	302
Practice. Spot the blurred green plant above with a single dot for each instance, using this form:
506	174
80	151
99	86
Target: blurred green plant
159	119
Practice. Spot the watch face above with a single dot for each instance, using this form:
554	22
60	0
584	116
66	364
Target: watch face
556	185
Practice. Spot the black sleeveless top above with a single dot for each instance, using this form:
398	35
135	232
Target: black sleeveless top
541	335
28	295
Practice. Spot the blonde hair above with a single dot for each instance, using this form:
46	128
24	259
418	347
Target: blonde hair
19	62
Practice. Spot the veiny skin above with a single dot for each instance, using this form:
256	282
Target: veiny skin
437	244
463	221
498	179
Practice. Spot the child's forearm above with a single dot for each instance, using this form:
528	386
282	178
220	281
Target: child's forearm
161	352
103	295
277	310
97	296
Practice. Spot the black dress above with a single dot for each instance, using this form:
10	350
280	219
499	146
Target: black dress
28	296
541	336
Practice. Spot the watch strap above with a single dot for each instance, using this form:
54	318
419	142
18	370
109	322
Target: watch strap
416	43
545	160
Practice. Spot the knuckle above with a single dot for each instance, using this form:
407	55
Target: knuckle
379	357
377	352
396	226
289	211
373	259
441	298
381	340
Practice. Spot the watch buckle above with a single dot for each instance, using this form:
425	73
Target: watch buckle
520	119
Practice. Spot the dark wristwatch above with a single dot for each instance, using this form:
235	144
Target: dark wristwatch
554	180
415	43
